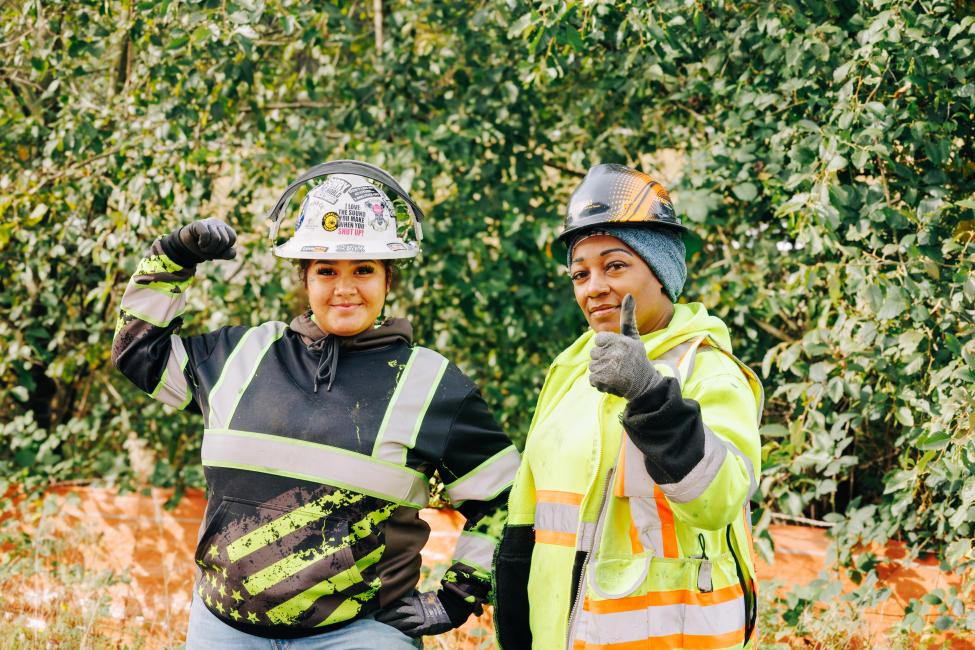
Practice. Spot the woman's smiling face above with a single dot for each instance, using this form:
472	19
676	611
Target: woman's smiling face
603	270
346	296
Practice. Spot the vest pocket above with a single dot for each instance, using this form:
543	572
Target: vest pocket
667	609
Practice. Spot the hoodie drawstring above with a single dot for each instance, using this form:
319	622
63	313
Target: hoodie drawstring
328	362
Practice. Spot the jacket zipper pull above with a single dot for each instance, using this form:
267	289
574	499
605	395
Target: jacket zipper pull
704	582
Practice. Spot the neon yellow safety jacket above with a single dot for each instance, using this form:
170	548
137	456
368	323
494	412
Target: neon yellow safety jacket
640	538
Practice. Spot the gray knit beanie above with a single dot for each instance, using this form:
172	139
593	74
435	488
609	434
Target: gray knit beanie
662	250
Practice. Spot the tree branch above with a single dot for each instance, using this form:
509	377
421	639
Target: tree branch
773	330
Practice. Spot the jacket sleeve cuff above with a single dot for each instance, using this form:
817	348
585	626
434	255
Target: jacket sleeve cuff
668	430
457	606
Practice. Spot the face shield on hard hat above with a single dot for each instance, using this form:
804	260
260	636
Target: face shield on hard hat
615	195
348	216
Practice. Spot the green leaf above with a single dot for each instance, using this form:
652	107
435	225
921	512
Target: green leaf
905	416
745	191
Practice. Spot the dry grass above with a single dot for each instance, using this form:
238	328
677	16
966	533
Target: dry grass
48	598
53	595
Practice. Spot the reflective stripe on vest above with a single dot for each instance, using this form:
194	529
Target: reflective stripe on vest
173	388
679	619
310	461
675	618
404	415
488	479
557	520
238	371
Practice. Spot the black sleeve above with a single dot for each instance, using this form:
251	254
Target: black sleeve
668	429
512	564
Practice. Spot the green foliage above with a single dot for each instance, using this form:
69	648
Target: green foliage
821	151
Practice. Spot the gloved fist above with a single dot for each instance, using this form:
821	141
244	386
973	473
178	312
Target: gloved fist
618	362
200	241
417	615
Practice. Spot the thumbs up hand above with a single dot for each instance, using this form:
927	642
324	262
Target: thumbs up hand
618	362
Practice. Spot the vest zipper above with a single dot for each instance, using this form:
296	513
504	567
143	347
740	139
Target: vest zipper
597	533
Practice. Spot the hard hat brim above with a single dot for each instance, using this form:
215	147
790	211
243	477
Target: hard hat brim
600	222
295	253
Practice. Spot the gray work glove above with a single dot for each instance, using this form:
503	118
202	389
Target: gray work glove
200	241
618	362
417	615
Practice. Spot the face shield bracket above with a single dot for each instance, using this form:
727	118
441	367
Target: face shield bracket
356	168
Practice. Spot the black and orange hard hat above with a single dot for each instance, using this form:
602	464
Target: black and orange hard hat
615	195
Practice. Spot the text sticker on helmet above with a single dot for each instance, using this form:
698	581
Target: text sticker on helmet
352	220
332	189
350	248
364	192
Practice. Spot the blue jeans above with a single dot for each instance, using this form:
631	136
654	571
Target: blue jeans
207	632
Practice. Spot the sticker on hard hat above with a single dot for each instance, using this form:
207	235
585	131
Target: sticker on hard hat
350	248
396	246
331	221
331	189
364	192
314	249
352	220
378	221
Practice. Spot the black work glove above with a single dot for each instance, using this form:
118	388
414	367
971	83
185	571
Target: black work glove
618	362
419	615
200	241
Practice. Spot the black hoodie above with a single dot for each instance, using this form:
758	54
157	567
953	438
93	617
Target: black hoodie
300	535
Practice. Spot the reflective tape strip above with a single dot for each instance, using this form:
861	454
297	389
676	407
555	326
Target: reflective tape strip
749	468
309	461
668	531
475	550
488	480
404	415
661	598
587	536
679	358
714	620
633	480
555	538
238	371
557	517
557	496
729	641
151	305
701	476
646	521
173	388
650	512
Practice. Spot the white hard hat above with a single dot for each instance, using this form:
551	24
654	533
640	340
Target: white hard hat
347	217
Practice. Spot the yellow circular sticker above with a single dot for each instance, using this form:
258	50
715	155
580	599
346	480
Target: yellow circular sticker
330	221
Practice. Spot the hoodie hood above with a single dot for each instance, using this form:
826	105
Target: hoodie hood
689	322
327	346
390	331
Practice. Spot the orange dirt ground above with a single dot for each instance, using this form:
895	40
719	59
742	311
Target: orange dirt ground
135	534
